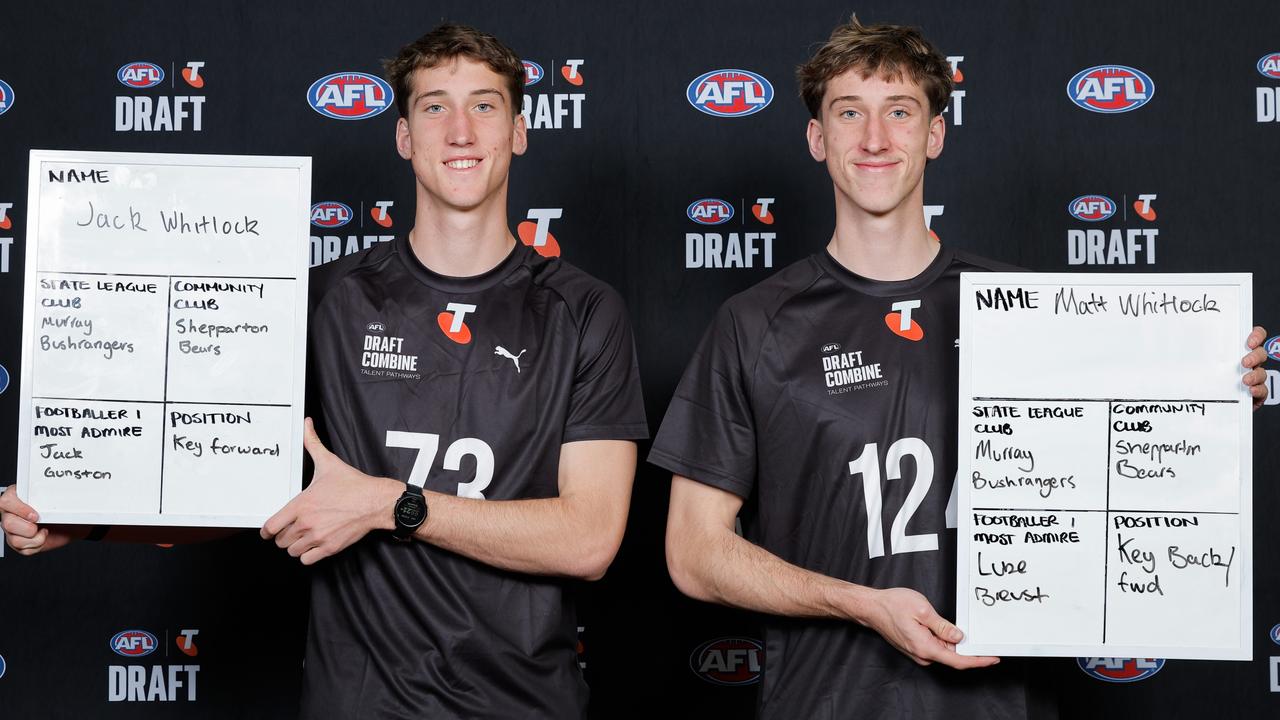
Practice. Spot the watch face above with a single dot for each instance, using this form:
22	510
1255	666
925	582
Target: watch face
410	511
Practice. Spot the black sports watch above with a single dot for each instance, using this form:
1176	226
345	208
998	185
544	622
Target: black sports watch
410	512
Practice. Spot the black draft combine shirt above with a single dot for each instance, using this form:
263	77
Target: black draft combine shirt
473	383
828	402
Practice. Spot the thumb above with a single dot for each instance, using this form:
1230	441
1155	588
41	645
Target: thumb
311	442
942	628
11	503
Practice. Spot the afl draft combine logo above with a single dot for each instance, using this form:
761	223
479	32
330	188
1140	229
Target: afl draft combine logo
133	643
728	661
140	75
1092	208
956	107
747	249
350	96
730	93
1120	670
1268	95
710	211
551	110
6	97
532	73
330	214
2	666
1274	634
1111	89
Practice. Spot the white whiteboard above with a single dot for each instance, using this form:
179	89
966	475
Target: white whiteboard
1105	466
164	337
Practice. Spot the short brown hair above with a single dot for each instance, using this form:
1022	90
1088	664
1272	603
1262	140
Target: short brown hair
888	51
445	43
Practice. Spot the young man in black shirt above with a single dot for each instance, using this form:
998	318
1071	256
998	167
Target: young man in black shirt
479	404
821	405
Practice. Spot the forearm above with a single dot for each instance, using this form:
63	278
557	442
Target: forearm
547	536
717	565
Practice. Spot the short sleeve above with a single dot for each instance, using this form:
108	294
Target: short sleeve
709	432
606	402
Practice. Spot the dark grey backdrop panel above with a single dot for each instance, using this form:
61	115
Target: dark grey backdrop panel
620	157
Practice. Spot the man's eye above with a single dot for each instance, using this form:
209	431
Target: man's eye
484	107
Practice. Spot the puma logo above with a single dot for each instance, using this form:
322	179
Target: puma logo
499	350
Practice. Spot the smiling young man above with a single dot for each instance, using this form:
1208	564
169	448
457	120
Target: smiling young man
814	380
479	403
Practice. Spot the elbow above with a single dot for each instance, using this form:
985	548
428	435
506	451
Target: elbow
594	558
682	566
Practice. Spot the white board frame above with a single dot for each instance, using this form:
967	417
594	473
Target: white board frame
297	221
1131	360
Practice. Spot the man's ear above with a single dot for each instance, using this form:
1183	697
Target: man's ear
404	145
817	144
519	136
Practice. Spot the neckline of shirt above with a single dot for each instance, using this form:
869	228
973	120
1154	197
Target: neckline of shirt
461	285
885	288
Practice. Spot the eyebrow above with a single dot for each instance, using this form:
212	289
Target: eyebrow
891	98
442	93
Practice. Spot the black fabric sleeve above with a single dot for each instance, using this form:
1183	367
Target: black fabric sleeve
606	402
709	432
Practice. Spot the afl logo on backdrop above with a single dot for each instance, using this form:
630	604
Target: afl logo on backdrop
1272	346
1111	89
350	95
133	643
730	93
330	214
1269	65
1092	208
140	75
6	97
1120	670
532	73
710	211
728	661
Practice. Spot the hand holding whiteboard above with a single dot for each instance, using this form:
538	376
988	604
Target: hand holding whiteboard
164	337
1105	506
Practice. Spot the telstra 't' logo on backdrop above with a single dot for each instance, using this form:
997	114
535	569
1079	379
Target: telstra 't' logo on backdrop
1111	89
730	93
536	231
